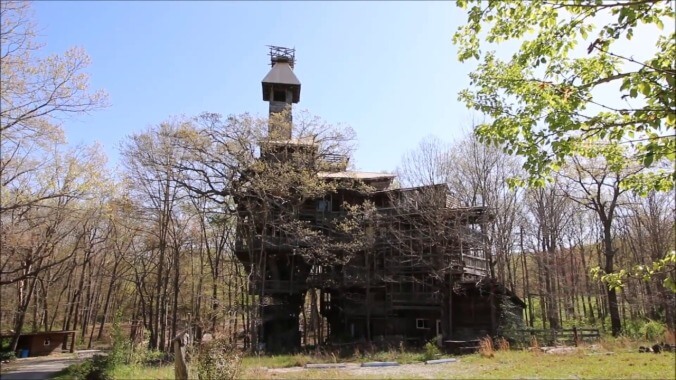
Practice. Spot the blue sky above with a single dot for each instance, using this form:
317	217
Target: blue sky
388	69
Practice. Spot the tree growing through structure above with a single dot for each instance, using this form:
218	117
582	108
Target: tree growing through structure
268	187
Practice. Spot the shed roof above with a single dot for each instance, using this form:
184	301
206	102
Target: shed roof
40	333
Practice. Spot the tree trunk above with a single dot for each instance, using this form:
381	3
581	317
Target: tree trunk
23	306
615	321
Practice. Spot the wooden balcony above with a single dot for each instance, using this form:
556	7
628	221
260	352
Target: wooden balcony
473	265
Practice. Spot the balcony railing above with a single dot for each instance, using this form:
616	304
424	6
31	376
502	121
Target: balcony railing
475	265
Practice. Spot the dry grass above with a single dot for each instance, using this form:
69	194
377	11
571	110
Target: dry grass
620	343
502	344
486	349
669	337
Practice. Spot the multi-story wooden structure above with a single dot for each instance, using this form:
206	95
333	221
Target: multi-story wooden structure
417	272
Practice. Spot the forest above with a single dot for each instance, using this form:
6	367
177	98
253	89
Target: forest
151	245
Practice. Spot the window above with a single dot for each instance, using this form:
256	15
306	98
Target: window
279	96
335	202
438	326
323	205
422	323
47	342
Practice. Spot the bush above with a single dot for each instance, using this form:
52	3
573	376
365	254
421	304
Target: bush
141	355
7	355
653	331
218	360
121	351
96	368
430	351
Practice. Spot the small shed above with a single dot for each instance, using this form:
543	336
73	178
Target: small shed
44	342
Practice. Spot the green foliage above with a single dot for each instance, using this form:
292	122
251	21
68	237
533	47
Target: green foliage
96	368
665	266
121	351
218	360
653	331
101	367
7	355
430	351
545	100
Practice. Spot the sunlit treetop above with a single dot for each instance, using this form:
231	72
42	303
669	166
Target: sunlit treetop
577	79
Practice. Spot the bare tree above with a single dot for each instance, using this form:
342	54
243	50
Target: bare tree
150	159
36	93
597	185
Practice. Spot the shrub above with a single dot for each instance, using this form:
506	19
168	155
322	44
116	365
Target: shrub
96	368
141	355
99	370
7	355
653	331
120	353
218	360
430	351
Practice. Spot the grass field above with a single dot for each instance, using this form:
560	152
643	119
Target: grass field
581	364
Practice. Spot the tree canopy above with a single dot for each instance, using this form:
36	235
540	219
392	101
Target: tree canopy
576	81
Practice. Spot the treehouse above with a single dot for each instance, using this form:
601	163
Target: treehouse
411	267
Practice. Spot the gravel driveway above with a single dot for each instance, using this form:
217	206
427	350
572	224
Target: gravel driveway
43	367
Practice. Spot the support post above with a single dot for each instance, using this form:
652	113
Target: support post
450	306
180	367
575	335
72	342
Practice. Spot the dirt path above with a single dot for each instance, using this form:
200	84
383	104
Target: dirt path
41	368
353	370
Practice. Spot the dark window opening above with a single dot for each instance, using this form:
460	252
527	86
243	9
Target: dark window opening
422	323
324	205
279	96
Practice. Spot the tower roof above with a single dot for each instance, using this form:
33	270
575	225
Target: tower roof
281	75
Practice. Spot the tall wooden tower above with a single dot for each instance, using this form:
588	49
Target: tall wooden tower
281	88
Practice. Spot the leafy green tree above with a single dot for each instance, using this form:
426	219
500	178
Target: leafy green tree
576	80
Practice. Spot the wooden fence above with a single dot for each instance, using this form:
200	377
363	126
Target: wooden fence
553	337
